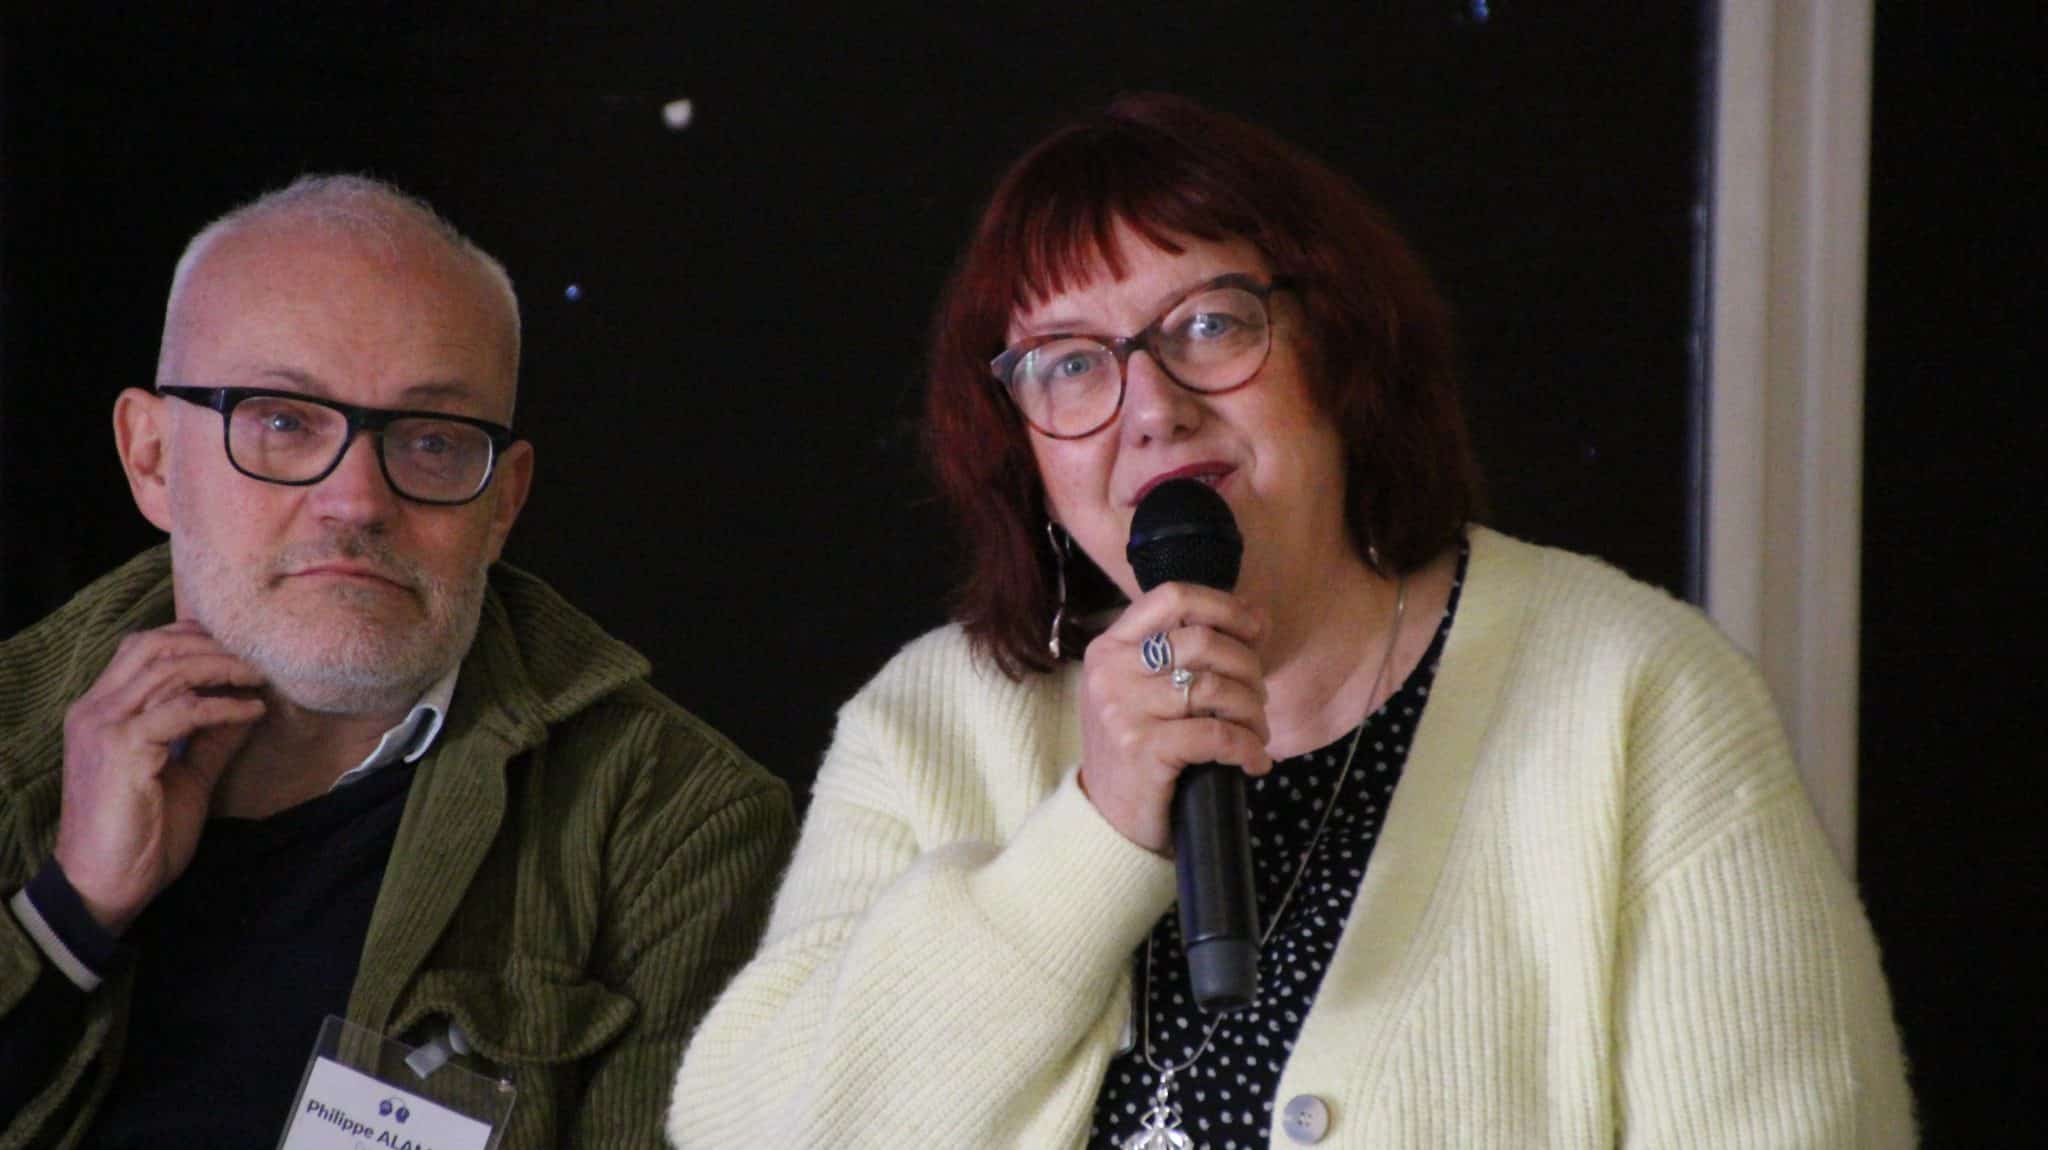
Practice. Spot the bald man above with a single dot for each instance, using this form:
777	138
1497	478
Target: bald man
323	756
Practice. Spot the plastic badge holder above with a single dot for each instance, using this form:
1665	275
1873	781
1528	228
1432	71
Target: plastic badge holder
363	1091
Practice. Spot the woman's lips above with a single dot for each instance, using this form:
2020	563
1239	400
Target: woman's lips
1210	473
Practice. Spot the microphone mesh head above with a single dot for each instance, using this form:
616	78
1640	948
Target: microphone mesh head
1183	532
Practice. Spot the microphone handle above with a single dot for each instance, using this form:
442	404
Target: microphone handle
1219	910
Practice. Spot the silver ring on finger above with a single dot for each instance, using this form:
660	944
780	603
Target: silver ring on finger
1185	680
1156	652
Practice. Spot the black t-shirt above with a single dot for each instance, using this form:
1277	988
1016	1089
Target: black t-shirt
240	960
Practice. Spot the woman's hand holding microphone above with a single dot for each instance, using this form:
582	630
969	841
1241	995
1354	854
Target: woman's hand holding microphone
1139	730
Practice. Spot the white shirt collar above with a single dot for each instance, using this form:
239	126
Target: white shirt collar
413	735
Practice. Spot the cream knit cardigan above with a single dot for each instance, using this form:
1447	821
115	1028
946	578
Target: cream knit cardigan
1601	913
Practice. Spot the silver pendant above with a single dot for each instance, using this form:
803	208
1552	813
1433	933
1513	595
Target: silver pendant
1160	1128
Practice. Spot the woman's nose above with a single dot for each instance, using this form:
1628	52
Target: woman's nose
1155	407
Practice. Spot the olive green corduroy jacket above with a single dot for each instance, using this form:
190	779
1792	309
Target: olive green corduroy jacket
579	867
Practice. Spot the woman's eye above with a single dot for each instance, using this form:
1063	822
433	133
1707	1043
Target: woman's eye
1065	362
1211	325
1072	366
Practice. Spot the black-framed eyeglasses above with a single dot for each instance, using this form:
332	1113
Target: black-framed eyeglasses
1212	339
297	440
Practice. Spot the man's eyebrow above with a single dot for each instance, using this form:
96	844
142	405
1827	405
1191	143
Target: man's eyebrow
437	389
424	392
299	380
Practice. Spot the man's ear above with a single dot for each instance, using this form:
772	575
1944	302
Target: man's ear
142	437
513	479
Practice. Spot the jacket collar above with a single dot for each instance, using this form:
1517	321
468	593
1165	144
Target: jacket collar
536	661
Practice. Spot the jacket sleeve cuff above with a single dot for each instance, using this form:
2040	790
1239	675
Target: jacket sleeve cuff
54	916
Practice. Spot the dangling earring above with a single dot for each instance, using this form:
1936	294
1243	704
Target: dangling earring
1059	567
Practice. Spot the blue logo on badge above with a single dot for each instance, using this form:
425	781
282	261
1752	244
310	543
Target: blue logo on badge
393	1108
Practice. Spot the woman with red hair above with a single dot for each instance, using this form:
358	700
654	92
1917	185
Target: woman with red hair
1532	862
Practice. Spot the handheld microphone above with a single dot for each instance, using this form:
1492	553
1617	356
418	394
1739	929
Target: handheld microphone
1183	532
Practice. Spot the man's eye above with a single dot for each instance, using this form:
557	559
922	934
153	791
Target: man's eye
283	422
430	443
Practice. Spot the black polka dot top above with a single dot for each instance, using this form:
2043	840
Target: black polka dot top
1226	1098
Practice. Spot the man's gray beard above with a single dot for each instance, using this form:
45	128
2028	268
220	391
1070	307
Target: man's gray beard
370	669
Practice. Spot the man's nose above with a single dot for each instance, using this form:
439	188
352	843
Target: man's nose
356	490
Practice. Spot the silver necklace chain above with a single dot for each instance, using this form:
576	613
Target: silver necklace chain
1160	1127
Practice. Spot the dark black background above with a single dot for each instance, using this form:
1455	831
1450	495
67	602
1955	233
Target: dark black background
727	472
1952	790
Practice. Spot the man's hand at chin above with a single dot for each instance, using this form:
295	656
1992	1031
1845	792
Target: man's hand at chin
143	749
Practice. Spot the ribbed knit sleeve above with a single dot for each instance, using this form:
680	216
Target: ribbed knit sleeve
948	941
1748	1012
1750	1009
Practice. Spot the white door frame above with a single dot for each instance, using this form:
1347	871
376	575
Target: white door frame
1785	385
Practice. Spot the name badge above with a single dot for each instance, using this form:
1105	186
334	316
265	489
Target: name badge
363	1091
